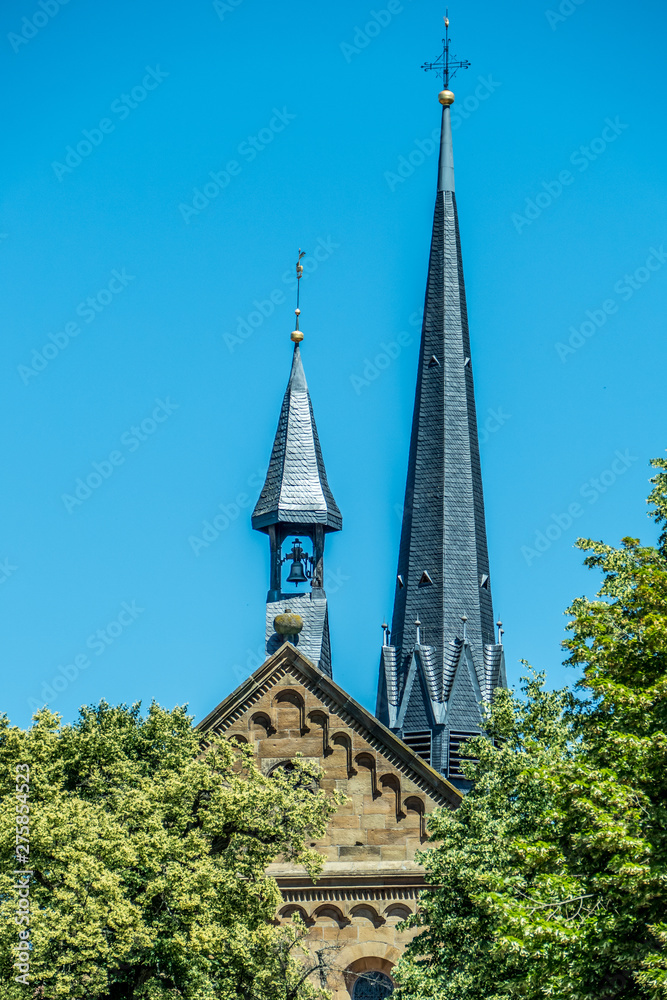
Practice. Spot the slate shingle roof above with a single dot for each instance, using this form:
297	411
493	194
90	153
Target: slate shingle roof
443	561
296	490
296	495
391	674
494	673
432	673
313	641
451	662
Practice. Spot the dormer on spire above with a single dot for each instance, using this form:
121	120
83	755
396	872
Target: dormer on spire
296	504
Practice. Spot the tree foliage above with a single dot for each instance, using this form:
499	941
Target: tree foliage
551	879
149	861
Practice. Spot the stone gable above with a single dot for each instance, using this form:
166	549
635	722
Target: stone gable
370	880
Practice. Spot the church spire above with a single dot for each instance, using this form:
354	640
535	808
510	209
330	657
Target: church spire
433	678
296	503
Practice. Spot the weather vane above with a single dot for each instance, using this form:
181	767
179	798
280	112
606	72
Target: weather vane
297	335
443	64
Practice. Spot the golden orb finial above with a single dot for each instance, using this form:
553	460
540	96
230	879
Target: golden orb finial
296	336
446	97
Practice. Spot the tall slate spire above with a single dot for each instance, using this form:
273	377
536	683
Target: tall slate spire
296	502
443	659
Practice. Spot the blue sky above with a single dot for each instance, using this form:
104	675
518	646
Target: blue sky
166	314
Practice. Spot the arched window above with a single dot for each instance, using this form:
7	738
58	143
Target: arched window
287	767
372	986
284	765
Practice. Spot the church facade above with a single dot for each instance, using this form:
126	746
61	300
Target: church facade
439	662
370	881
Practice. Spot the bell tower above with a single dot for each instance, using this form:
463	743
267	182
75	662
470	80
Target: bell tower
296	509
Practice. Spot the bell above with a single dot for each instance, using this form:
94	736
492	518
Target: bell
296	574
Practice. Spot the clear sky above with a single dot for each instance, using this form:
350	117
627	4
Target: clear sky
163	163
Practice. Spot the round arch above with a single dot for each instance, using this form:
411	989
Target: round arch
369	978
396	912
293	909
327	911
290	711
364	911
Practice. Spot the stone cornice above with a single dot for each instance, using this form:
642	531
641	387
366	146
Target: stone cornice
352	887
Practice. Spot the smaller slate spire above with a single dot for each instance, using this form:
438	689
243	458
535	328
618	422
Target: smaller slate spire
296	502
296	490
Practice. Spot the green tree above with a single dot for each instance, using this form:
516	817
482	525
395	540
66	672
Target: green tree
551	879
459	952
148	860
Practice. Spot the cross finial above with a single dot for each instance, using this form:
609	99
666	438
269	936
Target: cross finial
444	64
